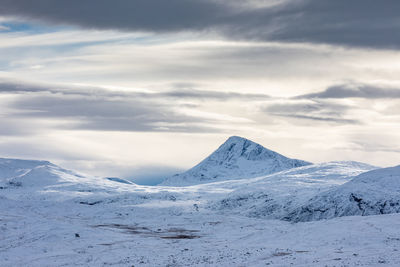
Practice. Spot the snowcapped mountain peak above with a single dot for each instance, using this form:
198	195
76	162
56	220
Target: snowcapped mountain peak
236	158
236	148
235	138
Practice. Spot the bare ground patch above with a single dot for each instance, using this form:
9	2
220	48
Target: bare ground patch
170	233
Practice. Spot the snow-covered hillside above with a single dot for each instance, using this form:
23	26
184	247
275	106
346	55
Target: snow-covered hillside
274	196
12	169
37	174
370	193
237	158
34	173
42	180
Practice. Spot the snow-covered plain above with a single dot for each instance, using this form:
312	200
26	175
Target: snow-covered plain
50	216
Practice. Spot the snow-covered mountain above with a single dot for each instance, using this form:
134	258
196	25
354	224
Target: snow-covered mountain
38	175
371	193
237	158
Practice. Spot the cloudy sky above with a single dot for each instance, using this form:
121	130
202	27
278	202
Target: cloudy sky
145	88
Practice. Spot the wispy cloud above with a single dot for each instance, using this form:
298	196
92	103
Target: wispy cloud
100	109
180	92
356	90
311	110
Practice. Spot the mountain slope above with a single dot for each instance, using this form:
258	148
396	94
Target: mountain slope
371	193
237	158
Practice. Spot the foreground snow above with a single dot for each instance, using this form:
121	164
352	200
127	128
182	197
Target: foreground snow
124	234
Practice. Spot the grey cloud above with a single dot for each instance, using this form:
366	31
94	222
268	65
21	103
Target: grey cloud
7	87
23	88
322	119
311	107
316	111
200	94
373	147
90	108
365	23
101	109
181	92
12	127
138	15
296	107
355	91
107	114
